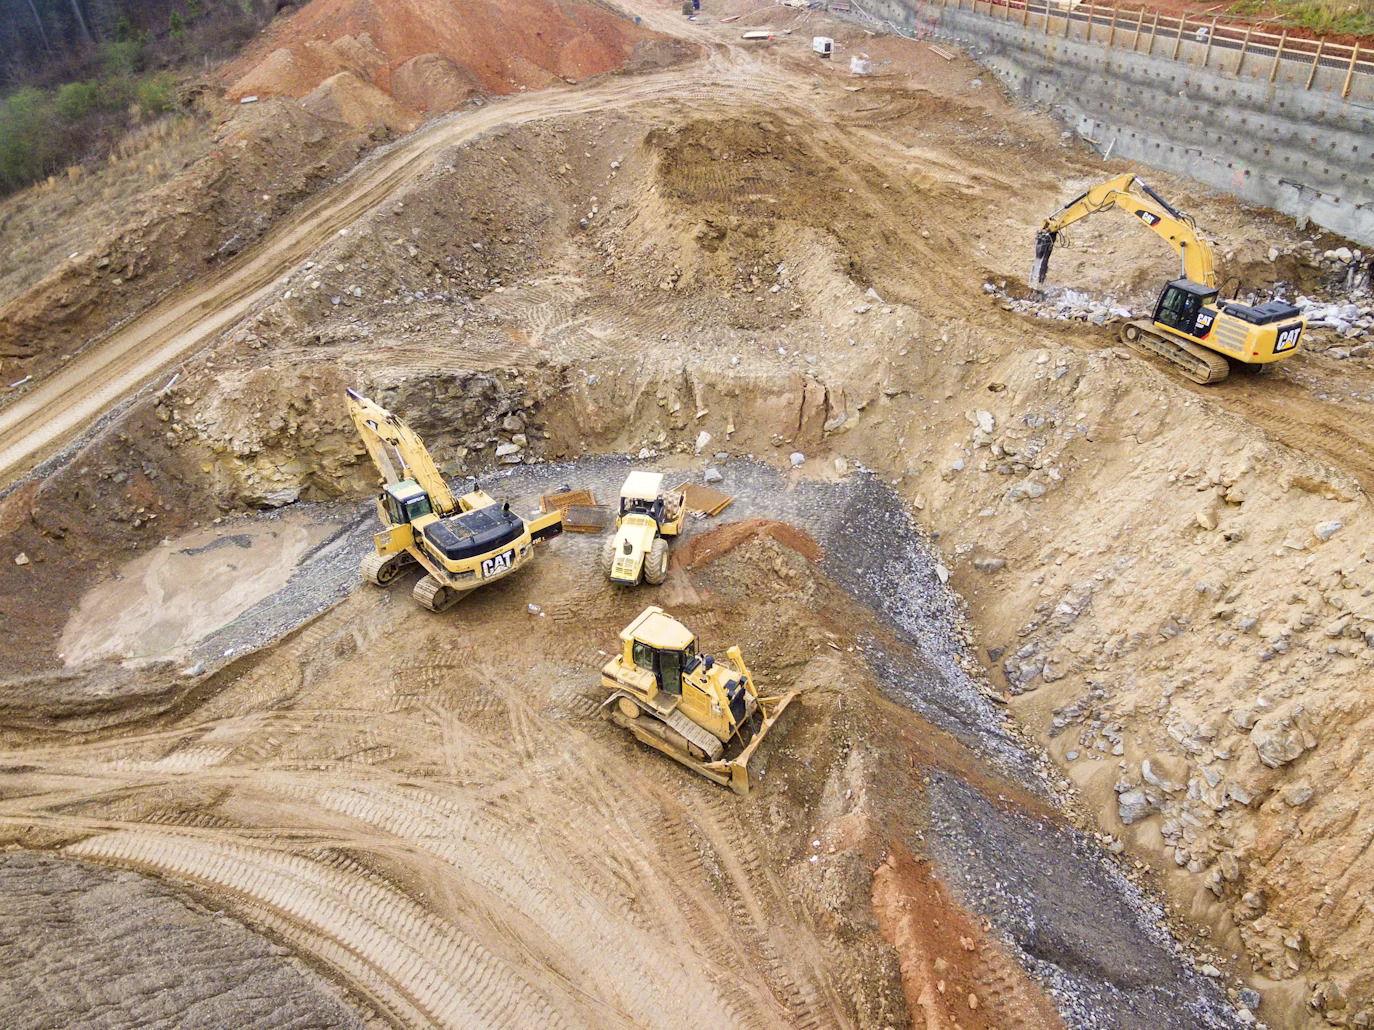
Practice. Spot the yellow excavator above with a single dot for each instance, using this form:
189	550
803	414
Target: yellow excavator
461	543
706	714
1191	327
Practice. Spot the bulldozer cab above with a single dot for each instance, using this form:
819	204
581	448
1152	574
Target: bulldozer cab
1182	306
405	502
662	646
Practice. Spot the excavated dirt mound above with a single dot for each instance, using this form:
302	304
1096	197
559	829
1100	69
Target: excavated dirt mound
349	99
486	46
702	549
433	82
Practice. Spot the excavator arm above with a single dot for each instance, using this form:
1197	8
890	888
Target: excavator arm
389	441
1195	255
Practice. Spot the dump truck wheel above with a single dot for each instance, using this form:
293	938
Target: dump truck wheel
628	708
656	563
608	557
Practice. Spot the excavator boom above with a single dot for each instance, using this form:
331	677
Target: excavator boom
389	440
1195	255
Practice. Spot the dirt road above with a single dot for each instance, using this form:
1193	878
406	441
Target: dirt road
64	405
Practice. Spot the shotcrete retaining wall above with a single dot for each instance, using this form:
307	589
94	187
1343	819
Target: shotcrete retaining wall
1281	124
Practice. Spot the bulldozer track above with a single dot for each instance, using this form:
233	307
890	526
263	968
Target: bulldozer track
424	970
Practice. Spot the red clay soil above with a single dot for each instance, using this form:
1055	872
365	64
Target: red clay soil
955	976
486	46
699	551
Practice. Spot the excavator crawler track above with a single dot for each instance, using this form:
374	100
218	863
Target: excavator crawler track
436	596
1196	362
382	569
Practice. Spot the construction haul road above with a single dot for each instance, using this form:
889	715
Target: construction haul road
102	375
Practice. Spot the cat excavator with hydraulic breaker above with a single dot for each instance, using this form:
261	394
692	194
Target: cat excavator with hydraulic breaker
1191	327
462	543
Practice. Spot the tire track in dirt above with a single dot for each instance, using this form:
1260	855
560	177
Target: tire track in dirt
756	900
425	970
520	876
1289	414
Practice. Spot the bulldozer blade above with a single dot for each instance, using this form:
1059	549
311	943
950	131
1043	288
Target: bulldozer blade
739	766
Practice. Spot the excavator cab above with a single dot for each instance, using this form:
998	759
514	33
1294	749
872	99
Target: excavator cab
1184	306
405	502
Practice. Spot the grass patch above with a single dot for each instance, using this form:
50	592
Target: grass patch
1352	17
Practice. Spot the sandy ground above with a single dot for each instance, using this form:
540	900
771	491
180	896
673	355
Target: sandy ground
166	600
753	257
417	818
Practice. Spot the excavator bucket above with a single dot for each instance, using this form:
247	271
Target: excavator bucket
1044	246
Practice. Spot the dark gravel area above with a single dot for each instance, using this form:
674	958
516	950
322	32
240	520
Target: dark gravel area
105	950
1078	924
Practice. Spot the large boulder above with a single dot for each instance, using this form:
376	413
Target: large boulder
1282	736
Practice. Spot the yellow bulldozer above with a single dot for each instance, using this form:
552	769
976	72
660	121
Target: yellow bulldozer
638	549
1191	327
706	714
461	543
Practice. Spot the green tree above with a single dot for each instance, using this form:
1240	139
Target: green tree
157	93
28	145
75	100
121	56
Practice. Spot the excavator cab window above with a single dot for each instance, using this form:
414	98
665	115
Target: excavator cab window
1180	304
405	501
